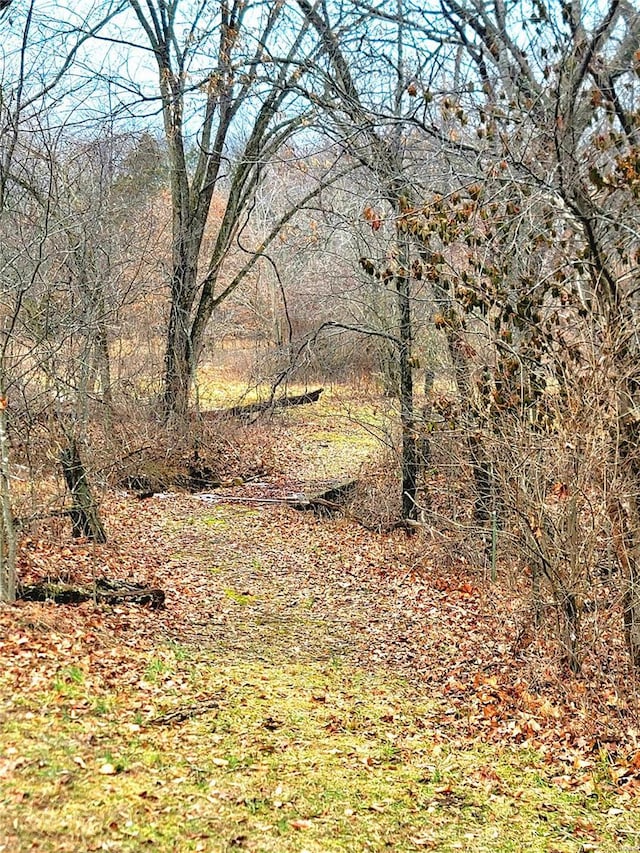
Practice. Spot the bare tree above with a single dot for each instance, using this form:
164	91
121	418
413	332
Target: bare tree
226	74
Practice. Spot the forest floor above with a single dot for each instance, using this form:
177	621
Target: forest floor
310	686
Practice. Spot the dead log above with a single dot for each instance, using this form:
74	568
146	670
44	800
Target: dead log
330	502
249	409
104	592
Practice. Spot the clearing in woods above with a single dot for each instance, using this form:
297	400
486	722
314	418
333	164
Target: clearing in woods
311	686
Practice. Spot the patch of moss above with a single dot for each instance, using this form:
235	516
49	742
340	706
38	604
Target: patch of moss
239	597
216	521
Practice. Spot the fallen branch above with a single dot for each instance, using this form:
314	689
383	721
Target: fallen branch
182	714
293	500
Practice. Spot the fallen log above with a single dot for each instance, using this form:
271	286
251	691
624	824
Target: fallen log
329	502
105	592
248	409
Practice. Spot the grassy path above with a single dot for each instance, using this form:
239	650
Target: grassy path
310	688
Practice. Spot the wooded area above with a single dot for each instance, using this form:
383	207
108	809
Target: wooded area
208	210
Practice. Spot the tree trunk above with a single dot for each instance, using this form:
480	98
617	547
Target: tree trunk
179	363
7	529
102	360
570	617
483	479
410	460
424	443
85	517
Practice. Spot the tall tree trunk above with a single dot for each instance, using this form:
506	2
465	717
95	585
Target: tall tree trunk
410	461
177	365
102	359
484	503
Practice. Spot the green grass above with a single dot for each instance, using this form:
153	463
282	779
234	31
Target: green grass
294	758
239	597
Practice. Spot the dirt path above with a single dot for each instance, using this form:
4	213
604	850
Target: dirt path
278	585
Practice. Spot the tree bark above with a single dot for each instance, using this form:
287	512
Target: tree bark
7	529
178	366
85	517
102	358
410	461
